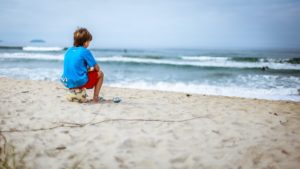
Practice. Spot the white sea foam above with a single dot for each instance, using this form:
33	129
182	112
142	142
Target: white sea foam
34	48
204	58
38	56
32	73
236	91
228	88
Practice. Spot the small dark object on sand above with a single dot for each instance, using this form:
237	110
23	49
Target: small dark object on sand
60	148
26	91
216	131
188	95
116	99
284	152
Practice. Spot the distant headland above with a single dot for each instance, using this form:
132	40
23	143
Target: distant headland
37	41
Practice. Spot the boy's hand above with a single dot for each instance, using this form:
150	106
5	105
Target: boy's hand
90	69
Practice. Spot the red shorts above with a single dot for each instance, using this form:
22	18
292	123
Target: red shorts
93	79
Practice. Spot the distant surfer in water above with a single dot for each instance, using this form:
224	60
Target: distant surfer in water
264	68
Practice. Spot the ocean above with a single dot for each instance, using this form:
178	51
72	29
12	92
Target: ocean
263	74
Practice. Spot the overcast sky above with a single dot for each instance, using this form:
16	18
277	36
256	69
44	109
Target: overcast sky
154	23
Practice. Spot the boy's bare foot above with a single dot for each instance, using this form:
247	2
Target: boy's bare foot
96	100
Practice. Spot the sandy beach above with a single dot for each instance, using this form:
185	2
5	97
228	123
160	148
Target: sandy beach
148	129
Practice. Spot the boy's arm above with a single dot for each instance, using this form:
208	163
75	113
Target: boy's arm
89	58
97	68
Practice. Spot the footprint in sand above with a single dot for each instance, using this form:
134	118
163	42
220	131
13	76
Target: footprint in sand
127	143
121	162
179	159
20	110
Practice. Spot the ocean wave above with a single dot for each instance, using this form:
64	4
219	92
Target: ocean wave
217	62
243	59
42	49
144	56
287	60
208	63
247	59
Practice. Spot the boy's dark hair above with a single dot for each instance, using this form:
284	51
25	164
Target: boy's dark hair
82	35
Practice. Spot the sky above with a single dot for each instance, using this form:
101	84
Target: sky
154	23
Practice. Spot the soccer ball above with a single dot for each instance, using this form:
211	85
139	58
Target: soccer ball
77	95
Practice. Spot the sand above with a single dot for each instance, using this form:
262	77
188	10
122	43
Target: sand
40	129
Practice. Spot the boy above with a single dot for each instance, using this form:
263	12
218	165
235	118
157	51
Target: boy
77	61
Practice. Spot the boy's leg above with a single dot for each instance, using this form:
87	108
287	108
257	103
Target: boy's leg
98	86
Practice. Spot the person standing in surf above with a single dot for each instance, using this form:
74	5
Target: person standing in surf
81	70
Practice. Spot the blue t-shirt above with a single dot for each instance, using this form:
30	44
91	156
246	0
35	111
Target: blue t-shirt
76	61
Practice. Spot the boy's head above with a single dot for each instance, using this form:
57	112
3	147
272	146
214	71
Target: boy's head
82	37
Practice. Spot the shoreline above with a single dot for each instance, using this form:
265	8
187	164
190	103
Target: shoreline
163	91
148	129
205	95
